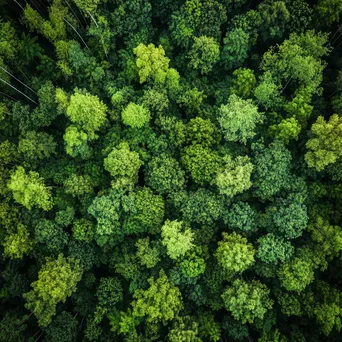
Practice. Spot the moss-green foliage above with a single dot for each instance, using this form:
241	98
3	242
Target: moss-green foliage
237	300
234	254
161	302
204	54
57	280
170	170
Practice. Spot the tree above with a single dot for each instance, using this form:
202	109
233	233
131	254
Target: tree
123	164
243	83
204	54
235	49
78	185
87	5
36	145
203	207
234	254
63	328
268	93
298	58
289	219
296	274
87	111
83	230
273	249
177	237
50	234
109	293
151	62
144	212
276	16
76	142
148	252
9	42
235	178
247	301
106	210
238	119
271	168
203	132
328	11
286	130
135	115
240	216
324	145
193	263
164	174
322	302
18	244
57	280
29	189
161	302
184	329
299	108
208	328
327	236
201	162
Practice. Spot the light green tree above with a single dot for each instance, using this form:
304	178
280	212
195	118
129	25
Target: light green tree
29	189
297	273
177	237
135	115
151	62
239	119
57	280
247	300
325	144
123	165
18	244
161	302
87	112
235	177
234	254
76	142
286	130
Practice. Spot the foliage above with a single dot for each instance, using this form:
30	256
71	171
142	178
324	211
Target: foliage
234	254
235	177
170	170
202	163
135	116
123	165
238	119
177	238
273	249
161	302
164	174
29	189
324	146
204	54
247	301
57	280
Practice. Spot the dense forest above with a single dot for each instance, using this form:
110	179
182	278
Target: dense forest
170	170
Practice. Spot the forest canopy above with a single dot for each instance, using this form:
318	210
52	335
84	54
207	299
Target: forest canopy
170	170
